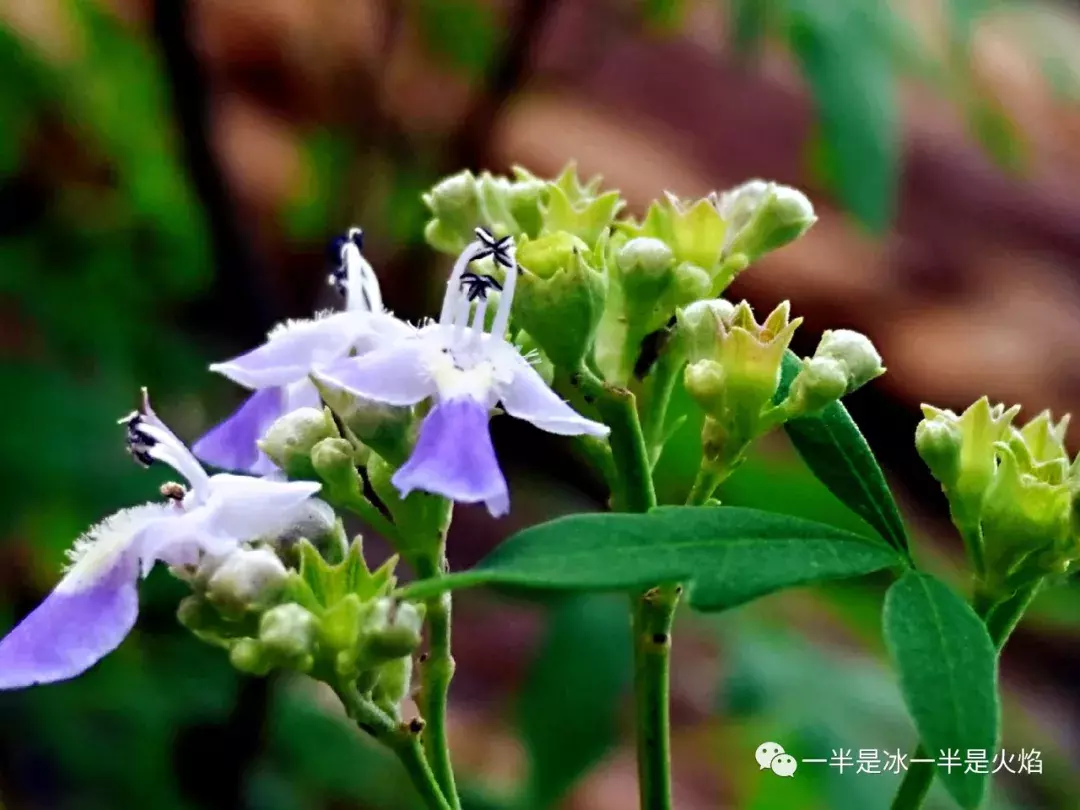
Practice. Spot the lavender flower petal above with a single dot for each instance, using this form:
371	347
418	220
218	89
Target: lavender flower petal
232	445
395	374
293	349
71	630
454	457
526	396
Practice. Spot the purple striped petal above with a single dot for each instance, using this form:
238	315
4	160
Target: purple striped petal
454	457
73	629
232	444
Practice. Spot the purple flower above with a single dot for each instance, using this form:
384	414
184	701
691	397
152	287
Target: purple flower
279	370
467	371
95	605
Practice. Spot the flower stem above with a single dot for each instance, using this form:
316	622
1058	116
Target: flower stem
705	485
401	738
659	386
1001	619
437	670
652	612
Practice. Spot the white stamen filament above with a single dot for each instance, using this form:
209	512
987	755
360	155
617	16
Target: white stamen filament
478	316
453	284
168	450
362	285
506	297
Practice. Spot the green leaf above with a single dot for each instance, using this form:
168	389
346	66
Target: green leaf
948	674
726	555
836	452
570	702
851	75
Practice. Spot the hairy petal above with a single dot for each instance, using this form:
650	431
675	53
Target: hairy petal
525	395
91	610
454	457
291	351
70	631
231	445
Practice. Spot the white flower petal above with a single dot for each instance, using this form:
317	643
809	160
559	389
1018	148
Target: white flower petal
246	508
396	374
525	395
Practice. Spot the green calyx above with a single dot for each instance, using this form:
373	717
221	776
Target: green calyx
560	297
736	380
975	434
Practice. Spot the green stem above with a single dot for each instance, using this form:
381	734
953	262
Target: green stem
659	386
705	485
1001	619
401	738
653	611
437	670
370	514
618	409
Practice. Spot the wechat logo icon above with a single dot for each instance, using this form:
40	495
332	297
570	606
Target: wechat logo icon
770	755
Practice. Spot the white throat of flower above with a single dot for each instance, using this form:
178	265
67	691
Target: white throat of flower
355	277
464	288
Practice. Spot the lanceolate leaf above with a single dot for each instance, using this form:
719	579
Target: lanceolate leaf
725	555
948	674
836	452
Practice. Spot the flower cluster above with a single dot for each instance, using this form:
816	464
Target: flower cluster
552	288
1013	491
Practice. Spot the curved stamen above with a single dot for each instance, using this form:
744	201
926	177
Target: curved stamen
453	284
352	276
149	440
508	259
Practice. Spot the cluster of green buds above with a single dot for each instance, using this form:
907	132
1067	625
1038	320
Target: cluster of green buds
736	368
282	606
1012	491
595	285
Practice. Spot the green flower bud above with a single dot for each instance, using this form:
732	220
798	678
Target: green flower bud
981	428
939	443
762	217
691	284
289	440
383	428
249	656
393	684
854	352
391	629
820	382
525	198
334	462
289	632
646	262
249	579
737	384
455	206
560	297
698	326
693	229
1022	515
